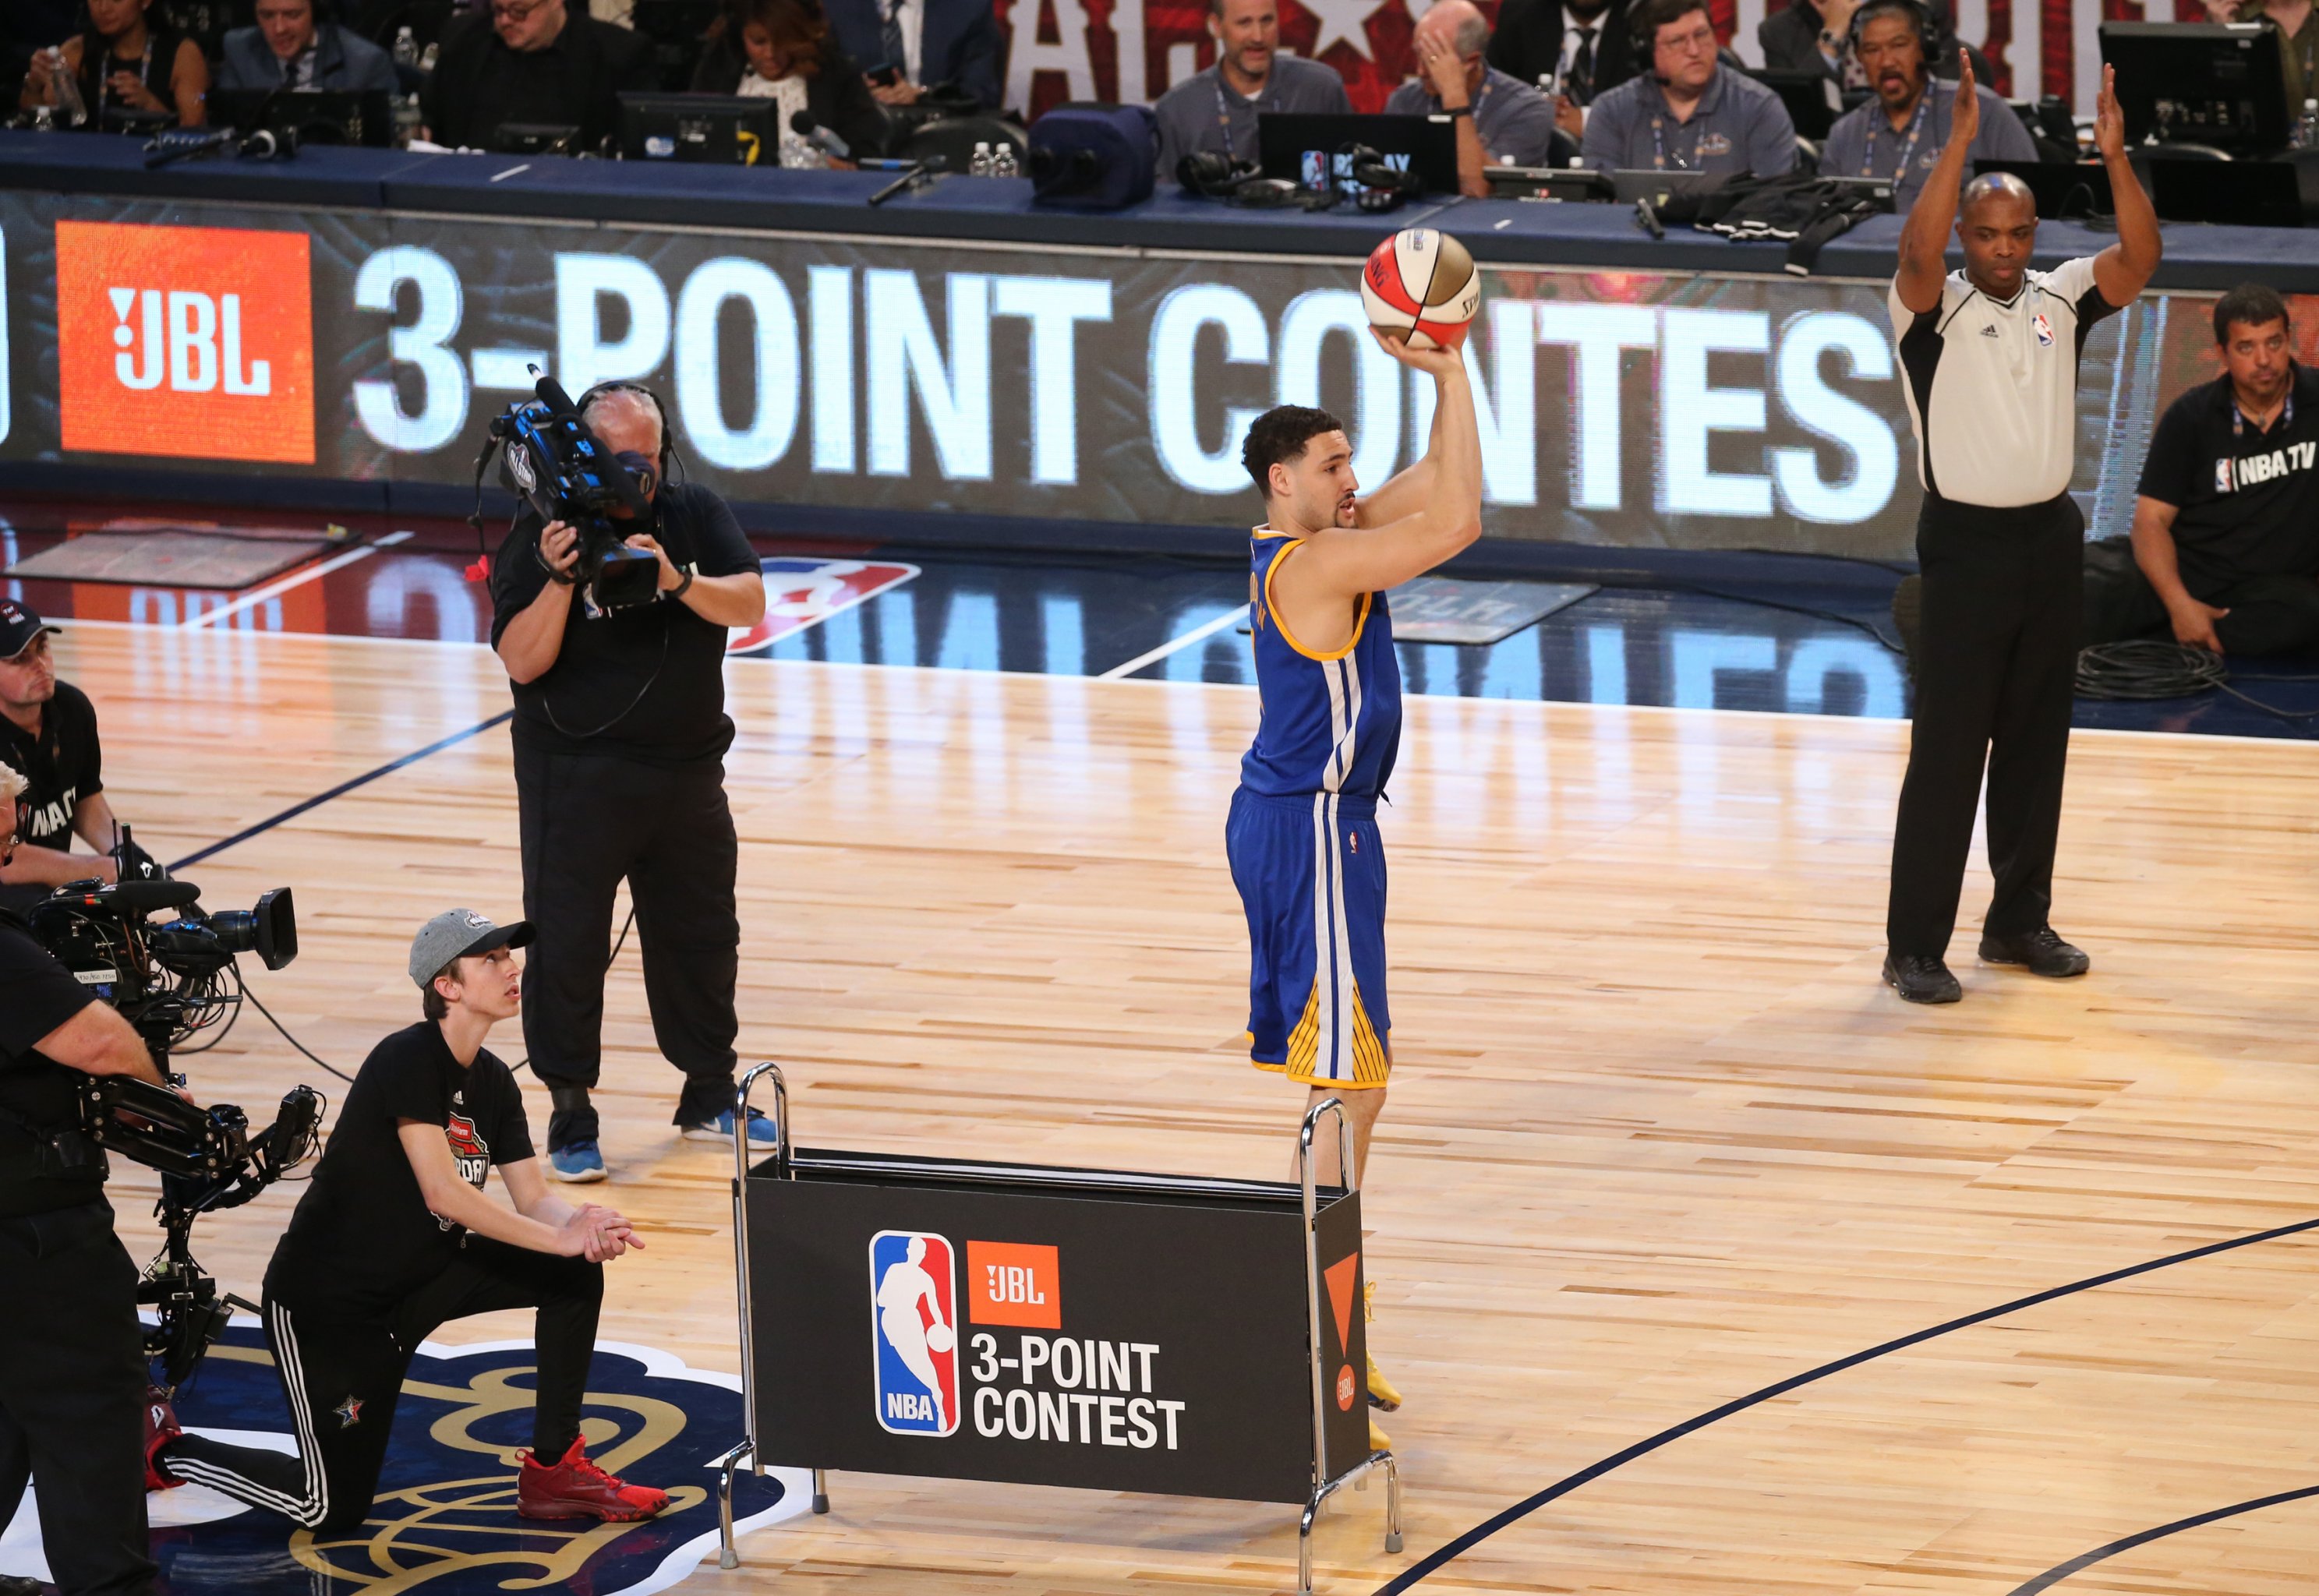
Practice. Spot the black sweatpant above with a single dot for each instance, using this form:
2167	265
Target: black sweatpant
1996	678
341	1376
72	1396
588	821
2268	614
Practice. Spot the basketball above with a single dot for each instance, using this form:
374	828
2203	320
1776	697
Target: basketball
941	1338
1421	286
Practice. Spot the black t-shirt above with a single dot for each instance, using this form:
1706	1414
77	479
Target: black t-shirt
595	698
479	84
37	995
363	1238
63	765
2248	501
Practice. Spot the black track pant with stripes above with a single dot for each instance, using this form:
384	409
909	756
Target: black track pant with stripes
342	1380
1996	679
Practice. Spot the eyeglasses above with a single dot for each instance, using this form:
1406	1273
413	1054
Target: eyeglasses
503	11
1700	38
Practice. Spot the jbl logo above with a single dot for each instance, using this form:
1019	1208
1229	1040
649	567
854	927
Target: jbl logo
189	341
204	343
1014	1283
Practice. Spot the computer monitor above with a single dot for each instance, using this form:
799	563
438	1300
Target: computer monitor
2062	189
1810	97
2238	193
724	129
1306	148
1646	183
2199	83
318	116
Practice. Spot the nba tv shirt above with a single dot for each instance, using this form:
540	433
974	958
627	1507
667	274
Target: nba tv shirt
1992	386
2248	499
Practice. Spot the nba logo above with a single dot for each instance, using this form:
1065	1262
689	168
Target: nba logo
914	1332
2044	330
2221	476
1313	168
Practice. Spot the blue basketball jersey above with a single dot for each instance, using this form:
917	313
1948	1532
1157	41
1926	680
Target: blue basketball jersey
1330	722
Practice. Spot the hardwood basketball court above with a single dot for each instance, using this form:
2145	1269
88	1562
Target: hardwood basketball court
1658	1137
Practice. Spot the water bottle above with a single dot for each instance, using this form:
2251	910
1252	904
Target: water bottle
1003	163
427	62
70	106
979	166
406	48
2307	126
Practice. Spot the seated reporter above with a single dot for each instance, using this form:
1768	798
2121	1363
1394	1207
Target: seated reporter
291	47
1214	112
1688	112
532	61
47	736
620	734
72	1357
1818	36
1899	134
394	1237
918	45
2224	553
1501	120
127	59
782	51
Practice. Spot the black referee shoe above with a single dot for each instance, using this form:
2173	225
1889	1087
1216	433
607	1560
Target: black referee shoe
1921	978
2039	952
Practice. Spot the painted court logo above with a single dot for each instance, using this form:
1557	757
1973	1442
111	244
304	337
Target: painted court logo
914	1332
194	342
802	592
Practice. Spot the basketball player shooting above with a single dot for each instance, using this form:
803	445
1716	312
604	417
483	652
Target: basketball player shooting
1302	834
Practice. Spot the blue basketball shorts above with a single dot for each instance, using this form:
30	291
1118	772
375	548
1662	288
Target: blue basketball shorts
1310	874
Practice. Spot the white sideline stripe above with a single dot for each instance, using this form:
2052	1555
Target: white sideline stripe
1175	645
294	580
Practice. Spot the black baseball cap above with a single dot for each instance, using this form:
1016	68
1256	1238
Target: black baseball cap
19	625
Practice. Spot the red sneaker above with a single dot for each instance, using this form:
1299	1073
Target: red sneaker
576	1488
160	1429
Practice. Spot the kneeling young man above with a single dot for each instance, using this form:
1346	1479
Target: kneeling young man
1302	834
395	1237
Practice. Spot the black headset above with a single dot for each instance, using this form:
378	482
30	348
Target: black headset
1931	36
621	386
1213	174
1644	21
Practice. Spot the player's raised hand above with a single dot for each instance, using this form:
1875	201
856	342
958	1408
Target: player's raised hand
1435	363
1964	117
2109	122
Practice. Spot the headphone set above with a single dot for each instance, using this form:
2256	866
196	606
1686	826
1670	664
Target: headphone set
1931	37
660	411
1215	175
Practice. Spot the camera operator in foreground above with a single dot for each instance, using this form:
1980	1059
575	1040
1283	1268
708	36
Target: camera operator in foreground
620	734
72	1358
48	735
394	1237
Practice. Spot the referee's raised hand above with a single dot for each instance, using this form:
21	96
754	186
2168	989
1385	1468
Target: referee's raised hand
1965	112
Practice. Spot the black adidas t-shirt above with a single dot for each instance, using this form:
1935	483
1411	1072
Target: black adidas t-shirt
2248	501
363	1238
61	766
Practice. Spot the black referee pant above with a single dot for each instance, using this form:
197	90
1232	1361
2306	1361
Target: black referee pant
587	822
1996	678
72	1396
341	1376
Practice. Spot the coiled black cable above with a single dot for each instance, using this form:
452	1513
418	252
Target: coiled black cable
2149	668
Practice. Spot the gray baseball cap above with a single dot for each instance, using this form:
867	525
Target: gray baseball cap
459	934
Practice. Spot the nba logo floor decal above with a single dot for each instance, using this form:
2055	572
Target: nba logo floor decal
444	1523
801	593
914	1327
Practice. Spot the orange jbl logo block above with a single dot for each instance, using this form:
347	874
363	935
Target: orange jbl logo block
1014	1283
196	342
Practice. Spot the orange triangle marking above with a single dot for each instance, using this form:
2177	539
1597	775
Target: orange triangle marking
1339	1276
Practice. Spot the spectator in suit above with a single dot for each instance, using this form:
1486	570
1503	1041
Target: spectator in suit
126	59
1501	120
1689	113
292	47
532	61
924	44
1901	133
1215	111
1584	46
1816	36
782	51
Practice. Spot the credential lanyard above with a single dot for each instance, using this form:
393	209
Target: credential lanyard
1659	148
1224	113
2285	415
1908	150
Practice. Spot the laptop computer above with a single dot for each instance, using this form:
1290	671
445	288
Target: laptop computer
2238	193
1307	149
2076	189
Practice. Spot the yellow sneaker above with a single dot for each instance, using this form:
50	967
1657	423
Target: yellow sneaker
1378	1440
1382	1393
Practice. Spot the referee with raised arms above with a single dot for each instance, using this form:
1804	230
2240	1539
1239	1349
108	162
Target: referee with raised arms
1990	355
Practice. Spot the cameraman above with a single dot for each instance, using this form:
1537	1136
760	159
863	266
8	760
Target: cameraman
620	734
48	735
72	1358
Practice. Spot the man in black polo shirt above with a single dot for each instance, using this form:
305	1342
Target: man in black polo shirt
532	62
72	1354
47	736
2224	553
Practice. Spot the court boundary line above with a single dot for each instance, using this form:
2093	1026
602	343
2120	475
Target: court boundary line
208	619
2085	1560
1174	645
1450	1550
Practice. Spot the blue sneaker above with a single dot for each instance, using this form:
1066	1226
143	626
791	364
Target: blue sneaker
580	1162
721	1129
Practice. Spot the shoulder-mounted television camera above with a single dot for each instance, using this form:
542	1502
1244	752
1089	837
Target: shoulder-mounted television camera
565	473
174	980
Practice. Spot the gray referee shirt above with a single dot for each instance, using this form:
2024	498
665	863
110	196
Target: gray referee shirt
1993	385
1863	142
1737	126
1204	112
1514	120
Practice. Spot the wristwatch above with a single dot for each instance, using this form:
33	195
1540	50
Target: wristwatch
691	570
1454	112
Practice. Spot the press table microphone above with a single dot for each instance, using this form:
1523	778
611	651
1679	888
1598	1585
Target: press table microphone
804	126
